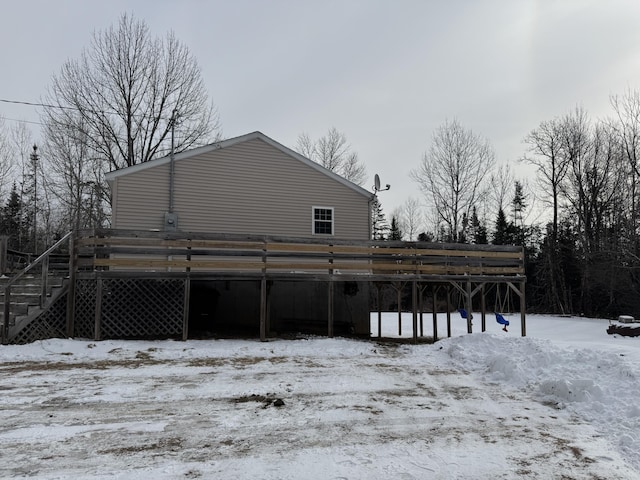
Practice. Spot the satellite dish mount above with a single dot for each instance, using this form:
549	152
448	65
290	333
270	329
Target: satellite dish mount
376	185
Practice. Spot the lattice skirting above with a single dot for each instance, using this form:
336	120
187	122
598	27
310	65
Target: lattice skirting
50	324
85	309
130	308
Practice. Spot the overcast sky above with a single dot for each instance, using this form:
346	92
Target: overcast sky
386	73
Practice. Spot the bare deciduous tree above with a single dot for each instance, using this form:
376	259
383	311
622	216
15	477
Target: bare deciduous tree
334	153
6	162
545	145
76	177
627	109
502	180
123	92
627	128
411	217
452	174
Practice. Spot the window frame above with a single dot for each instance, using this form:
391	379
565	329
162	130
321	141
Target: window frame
324	222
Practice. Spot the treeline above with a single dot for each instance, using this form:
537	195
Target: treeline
584	258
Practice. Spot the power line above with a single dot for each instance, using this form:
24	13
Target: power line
75	109
22	121
34	104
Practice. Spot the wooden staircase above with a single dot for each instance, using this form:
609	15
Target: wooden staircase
27	301
26	295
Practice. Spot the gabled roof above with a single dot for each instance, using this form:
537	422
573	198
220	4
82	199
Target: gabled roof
111	176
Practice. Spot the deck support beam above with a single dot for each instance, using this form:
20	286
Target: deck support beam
414	309
434	298
185	310
97	332
263	309
330	309
448	311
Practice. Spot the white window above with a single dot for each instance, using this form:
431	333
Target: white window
323	220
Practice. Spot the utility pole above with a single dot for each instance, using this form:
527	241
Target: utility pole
34	165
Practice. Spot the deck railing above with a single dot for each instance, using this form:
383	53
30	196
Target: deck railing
125	250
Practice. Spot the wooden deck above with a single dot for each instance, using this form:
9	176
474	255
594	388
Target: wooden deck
127	284
467	269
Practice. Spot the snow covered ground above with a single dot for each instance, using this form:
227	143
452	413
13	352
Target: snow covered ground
563	402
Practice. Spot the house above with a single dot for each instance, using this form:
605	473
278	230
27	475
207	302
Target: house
246	185
250	185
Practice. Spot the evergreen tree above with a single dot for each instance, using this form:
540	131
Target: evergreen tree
425	237
11	223
462	234
395	233
478	230
519	206
379	225
502	232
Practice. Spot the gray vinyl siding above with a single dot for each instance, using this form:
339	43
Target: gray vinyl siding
250	187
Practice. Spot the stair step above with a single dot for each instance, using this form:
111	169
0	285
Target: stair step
18	308
30	288
20	297
33	280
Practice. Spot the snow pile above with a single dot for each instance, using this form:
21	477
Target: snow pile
599	384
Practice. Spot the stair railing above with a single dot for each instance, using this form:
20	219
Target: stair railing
42	259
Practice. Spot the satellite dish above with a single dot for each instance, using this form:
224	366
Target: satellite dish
376	184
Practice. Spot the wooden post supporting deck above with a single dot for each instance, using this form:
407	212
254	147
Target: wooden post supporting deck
330	303
414	309
399	299
97	333
185	310
483	308
469	307
434	295
263	295
448	311
330	299
420	308
263	309
523	322
379	288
